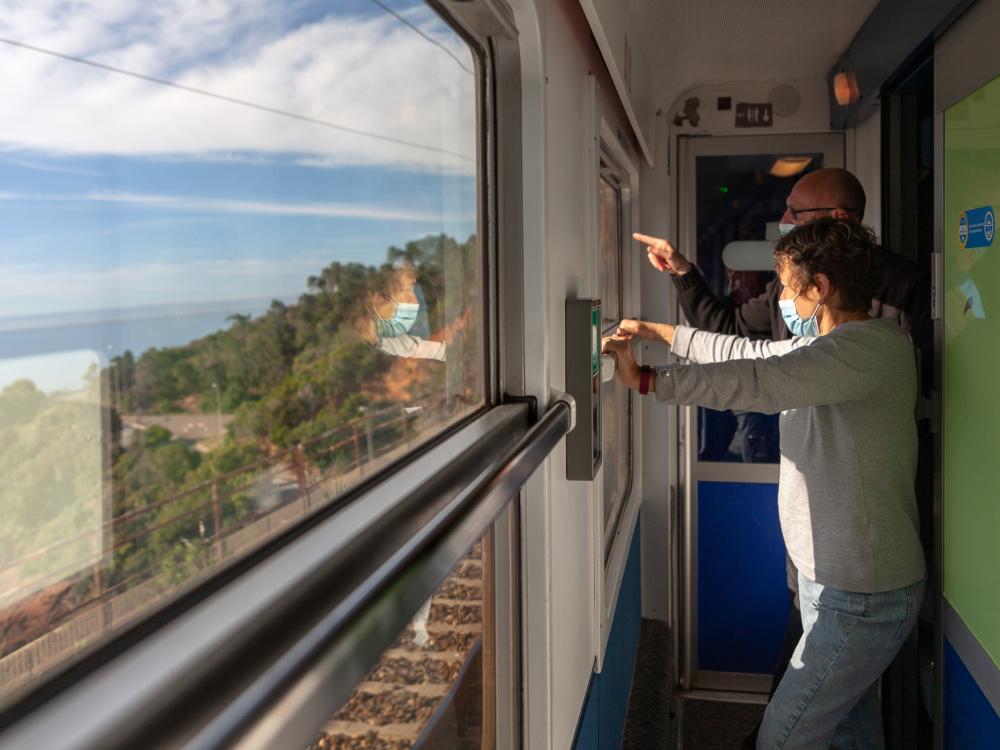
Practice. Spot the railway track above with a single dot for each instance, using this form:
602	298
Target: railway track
409	691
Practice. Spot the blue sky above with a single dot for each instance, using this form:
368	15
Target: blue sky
116	191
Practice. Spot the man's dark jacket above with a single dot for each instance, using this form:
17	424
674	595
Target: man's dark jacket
902	293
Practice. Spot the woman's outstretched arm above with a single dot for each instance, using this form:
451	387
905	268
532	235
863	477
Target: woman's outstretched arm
701	347
826	370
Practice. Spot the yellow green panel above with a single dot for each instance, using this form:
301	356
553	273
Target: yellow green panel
972	363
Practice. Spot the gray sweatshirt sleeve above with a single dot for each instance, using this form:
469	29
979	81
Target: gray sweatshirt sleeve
702	346
825	370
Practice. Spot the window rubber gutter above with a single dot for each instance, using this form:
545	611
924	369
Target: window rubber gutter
265	661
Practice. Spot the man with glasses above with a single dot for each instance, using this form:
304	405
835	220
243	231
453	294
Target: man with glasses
902	293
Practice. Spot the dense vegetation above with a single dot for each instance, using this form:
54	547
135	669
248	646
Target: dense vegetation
293	373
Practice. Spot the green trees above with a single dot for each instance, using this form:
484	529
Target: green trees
83	467
288	376
50	458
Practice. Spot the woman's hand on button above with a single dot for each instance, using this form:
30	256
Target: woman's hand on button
642	329
630	328
628	368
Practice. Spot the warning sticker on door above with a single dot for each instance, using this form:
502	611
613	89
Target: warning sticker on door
976	227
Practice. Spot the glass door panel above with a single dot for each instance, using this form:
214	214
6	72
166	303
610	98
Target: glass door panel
738	198
735	601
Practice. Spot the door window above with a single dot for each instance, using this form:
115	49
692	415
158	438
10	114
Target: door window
741	198
616	399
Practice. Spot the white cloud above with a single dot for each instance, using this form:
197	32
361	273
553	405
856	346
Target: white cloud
217	205
53	167
370	74
35	289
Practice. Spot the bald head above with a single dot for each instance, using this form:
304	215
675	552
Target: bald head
835	192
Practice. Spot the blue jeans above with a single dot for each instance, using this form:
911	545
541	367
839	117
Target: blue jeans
828	698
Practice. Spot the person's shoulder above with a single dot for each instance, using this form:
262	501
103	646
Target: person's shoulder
889	338
884	331
876	343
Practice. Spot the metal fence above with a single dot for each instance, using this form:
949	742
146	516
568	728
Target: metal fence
111	607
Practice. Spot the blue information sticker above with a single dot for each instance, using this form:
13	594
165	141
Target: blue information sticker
976	226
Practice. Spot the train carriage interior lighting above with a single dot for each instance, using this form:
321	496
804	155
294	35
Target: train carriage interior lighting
845	88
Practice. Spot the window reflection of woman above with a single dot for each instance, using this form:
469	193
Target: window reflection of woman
400	309
395	319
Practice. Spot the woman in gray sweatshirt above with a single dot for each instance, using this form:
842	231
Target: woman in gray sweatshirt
846	387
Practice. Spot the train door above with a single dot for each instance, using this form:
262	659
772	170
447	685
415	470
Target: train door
908	178
967	104
734	600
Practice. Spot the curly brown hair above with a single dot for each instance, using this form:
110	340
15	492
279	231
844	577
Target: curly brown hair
842	249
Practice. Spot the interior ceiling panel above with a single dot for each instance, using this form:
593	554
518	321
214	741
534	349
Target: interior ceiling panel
691	42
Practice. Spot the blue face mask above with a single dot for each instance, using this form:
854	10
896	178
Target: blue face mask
400	323
784	229
795	323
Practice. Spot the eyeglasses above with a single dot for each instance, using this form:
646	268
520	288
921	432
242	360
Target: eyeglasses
794	212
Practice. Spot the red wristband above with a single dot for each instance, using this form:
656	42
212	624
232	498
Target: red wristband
645	376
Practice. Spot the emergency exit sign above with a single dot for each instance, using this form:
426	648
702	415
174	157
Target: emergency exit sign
749	115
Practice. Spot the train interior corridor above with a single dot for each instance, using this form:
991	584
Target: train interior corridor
319	425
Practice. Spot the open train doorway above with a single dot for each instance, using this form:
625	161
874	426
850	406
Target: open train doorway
734	600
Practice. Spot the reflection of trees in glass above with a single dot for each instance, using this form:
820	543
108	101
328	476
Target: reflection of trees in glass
294	373
305	363
289	381
51	464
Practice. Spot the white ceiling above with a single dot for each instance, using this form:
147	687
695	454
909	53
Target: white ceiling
692	42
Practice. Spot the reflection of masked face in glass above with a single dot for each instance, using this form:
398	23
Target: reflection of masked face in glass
401	322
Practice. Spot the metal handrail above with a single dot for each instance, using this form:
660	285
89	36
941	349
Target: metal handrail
262	716
301	626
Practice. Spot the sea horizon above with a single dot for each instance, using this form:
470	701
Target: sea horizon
50	350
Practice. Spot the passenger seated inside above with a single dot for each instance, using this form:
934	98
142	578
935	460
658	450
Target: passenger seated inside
846	390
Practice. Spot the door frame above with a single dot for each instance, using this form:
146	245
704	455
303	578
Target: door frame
692	471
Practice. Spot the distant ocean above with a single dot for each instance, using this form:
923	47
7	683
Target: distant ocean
104	334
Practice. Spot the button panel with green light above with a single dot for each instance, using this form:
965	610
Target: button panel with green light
583	383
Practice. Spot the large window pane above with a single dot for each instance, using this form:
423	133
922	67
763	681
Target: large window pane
610	202
240	274
616	403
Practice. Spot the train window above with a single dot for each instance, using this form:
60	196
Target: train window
242	273
616	401
434	687
610	192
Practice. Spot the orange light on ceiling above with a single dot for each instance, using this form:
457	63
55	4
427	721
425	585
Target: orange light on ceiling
845	88
788	166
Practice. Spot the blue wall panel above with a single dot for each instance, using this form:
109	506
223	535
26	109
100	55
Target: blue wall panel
603	718
588	731
742	590
970	723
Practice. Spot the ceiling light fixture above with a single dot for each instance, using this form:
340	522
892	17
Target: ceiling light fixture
789	166
845	88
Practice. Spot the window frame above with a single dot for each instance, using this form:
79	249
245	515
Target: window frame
691	471
612	173
148	647
611	542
